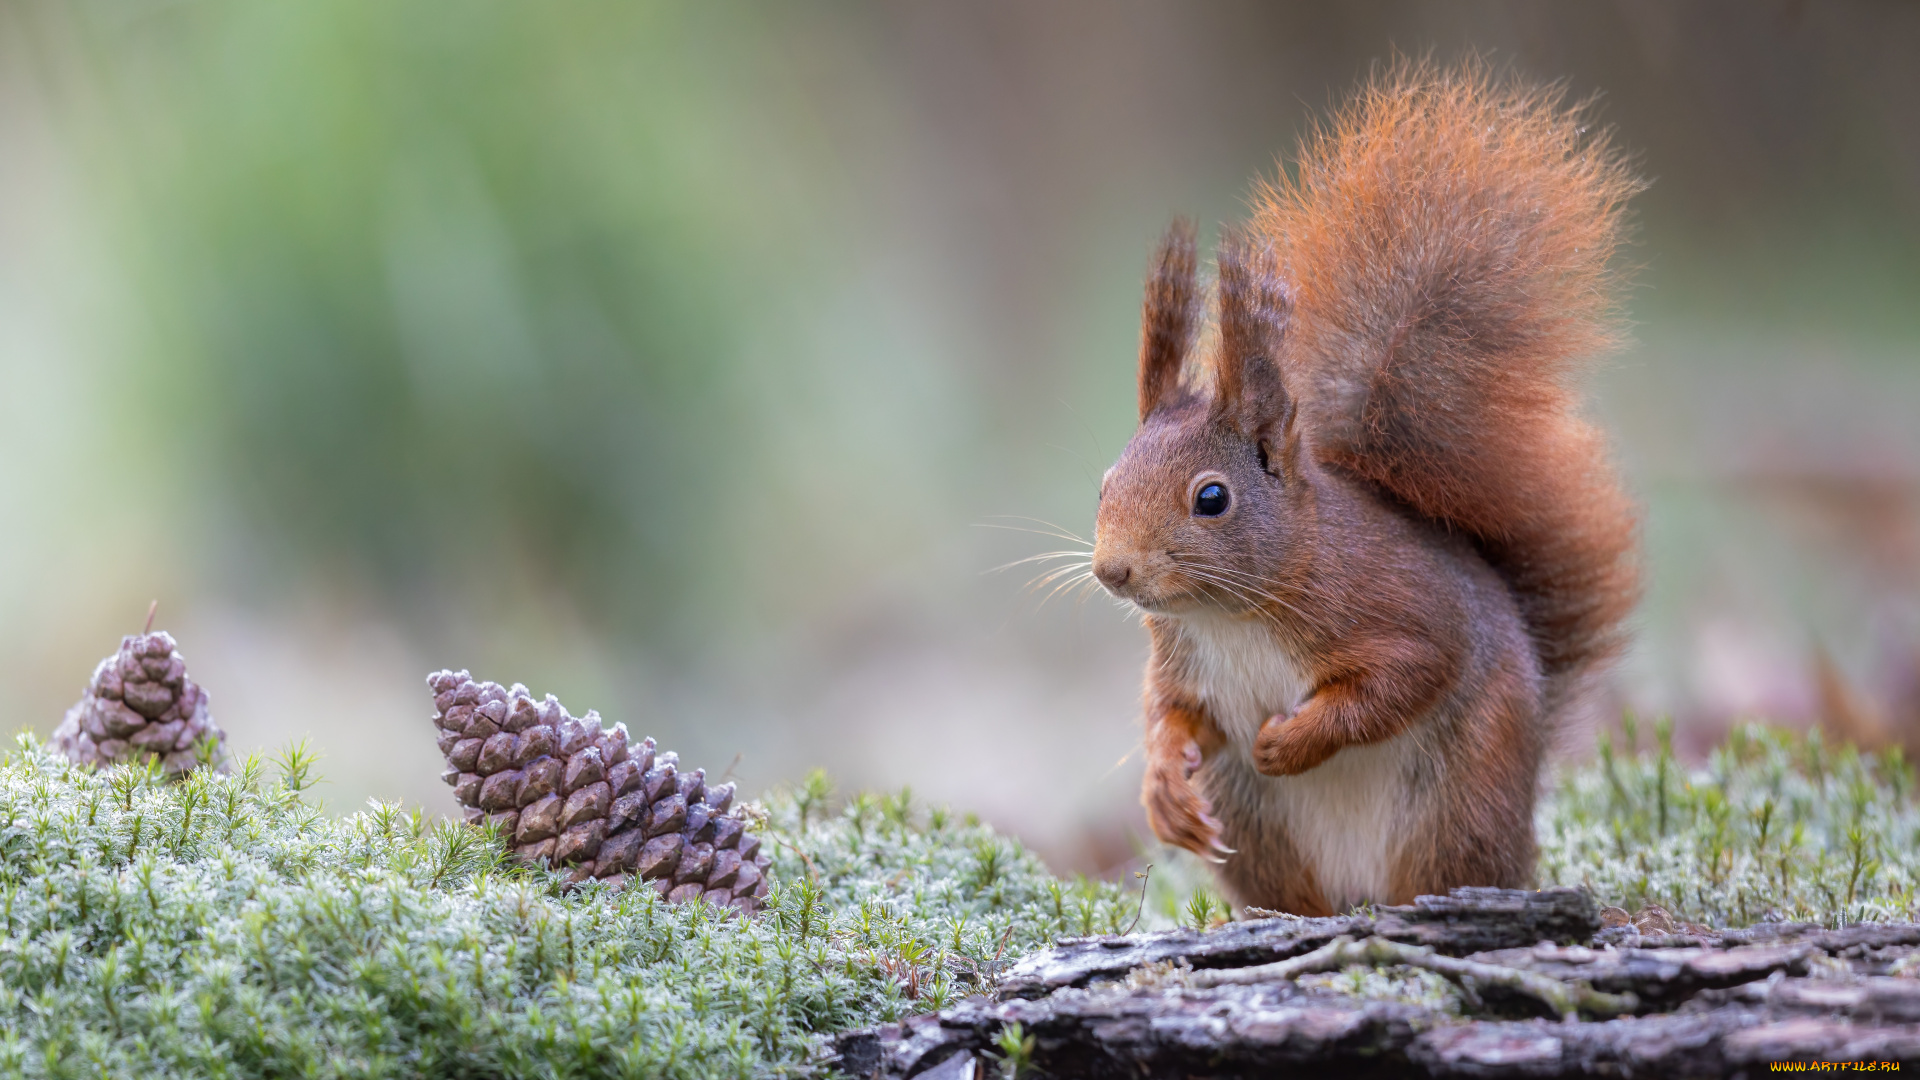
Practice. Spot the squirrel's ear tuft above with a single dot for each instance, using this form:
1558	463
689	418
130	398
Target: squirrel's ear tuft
1249	392
1169	317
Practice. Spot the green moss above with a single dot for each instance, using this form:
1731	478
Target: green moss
224	926
1777	826
1407	985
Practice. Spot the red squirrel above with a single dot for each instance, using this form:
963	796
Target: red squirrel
1377	549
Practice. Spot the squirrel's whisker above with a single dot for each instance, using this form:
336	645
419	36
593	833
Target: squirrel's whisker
1240	591
1068	583
1036	532
1256	583
1224	585
1050	525
1083	555
1053	583
1050	576
1089	585
1060	531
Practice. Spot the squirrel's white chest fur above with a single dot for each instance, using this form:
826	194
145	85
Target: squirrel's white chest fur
1347	817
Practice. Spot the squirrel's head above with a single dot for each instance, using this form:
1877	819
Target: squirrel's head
1197	509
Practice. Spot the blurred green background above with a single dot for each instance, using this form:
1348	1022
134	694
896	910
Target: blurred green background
671	358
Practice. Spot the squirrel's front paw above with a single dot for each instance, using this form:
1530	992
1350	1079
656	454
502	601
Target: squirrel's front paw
1290	745
1179	814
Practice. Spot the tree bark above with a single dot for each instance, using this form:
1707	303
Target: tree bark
1189	1004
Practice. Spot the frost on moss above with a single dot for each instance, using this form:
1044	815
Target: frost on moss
1776	826
225	926
222	925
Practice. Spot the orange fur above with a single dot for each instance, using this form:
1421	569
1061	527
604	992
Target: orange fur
1450	238
1424	552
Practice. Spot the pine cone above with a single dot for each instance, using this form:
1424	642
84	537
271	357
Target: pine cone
567	793
140	704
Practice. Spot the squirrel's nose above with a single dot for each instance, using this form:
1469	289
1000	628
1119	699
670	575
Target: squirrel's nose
1112	573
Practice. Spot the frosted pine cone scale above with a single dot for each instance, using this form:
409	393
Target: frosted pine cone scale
566	792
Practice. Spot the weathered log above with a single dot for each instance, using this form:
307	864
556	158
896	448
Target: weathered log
1468	921
1656	976
1227	1031
1728	1041
1860	940
1221	1003
1562	998
1249	1031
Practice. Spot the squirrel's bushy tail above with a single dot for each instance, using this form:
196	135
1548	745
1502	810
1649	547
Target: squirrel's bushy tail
1450	238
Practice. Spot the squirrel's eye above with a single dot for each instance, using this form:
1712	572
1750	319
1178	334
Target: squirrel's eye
1210	501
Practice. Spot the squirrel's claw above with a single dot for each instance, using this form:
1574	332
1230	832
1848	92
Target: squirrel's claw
1216	851
1179	815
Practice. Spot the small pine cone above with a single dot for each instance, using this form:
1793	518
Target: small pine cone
566	792
140	704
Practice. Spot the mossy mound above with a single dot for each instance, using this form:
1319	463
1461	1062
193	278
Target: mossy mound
225	926
1778	826
222	925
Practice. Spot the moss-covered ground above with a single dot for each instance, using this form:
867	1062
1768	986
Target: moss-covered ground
224	926
1776	826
